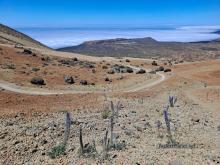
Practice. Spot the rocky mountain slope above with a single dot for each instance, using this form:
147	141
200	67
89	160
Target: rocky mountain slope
11	36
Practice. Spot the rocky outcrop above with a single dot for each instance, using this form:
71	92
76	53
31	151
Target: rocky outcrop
38	81
69	79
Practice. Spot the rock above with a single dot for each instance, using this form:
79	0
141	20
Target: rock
107	79
172	126
111	71
218	128
127	60
51	126
3	135
83	82
141	126
70	149
141	71
35	69
34	131
116	135
152	72
19	46
44	141
122	69
154	63
75	59
69	79
196	120
128	132
10	123
161	68
27	51
129	70
167	70
17	142
37	81
104	67
119	78
34	150
114	156
93	71
88	65
46	58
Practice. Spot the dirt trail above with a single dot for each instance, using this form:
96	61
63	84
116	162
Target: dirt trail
38	91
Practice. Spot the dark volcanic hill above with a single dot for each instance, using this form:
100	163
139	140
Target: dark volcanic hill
11	36
217	32
148	48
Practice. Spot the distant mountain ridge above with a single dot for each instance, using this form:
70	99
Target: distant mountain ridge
11	36
147	48
217	31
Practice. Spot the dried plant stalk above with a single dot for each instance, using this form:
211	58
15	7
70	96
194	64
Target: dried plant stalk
80	139
167	121
112	124
67	127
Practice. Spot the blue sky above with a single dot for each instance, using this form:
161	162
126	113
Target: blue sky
96	13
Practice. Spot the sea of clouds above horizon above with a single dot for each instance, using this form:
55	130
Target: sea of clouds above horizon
63	37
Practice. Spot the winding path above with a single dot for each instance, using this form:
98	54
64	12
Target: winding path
38	91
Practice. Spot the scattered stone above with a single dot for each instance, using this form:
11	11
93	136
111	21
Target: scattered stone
104	67
83	82
10	123
128	132
196	120
107	79
34	150
93	71
45	64
34	131
27	51
122	69
167	70
75	59
3	135
141	126
119	78
47	59
114	156
153	72
127	60
141	71
44	141
154	63
37	81
161	68
69	79
17	142
35	69
19	46
129	70
111	71
88	65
